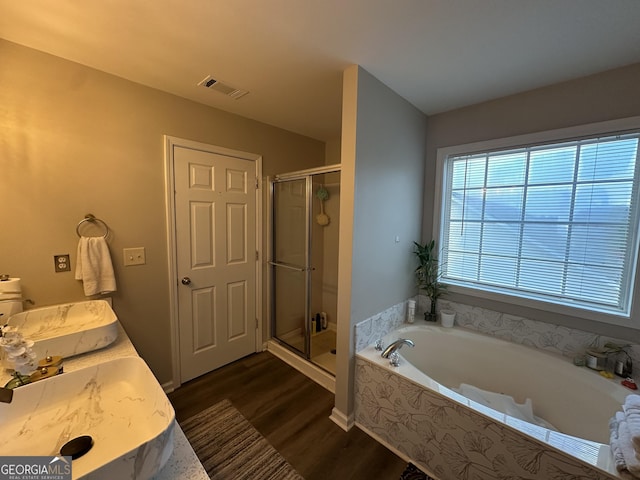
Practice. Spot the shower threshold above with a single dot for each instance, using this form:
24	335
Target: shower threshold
315	372
326	361
323	347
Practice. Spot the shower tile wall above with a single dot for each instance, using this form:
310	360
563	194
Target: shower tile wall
326	290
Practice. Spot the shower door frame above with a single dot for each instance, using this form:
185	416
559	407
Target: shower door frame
307	175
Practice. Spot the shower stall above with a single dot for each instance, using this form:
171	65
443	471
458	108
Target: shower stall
305	209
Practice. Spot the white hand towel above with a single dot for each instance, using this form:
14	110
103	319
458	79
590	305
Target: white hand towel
625	448
94	266
618	458
632	419
631	403
616	451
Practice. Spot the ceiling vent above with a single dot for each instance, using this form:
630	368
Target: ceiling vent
229	91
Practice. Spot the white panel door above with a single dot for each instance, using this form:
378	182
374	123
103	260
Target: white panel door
215	204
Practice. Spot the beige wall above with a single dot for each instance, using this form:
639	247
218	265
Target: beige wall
383	155
333	147
74	140
607	96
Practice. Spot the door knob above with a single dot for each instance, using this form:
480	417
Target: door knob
186	281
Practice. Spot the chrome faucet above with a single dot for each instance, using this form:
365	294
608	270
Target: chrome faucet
397	345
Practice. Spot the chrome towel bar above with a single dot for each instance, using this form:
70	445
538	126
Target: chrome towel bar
290	267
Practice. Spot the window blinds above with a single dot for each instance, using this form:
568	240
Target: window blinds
554	222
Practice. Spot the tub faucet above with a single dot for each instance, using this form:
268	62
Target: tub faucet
397	345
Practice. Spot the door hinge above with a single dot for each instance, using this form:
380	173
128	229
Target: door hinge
257	182
257	256
256	324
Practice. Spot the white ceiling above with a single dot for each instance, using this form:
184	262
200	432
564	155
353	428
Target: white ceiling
290	54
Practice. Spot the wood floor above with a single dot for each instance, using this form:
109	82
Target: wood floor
292	412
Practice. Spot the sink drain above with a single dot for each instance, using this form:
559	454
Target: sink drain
77	447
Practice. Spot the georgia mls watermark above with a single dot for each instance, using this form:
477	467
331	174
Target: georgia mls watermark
35	468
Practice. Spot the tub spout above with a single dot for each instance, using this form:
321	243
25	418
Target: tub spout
397	345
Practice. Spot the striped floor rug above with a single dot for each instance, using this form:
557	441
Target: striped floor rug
231	449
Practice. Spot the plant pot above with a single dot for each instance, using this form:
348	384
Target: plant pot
430	317
447	318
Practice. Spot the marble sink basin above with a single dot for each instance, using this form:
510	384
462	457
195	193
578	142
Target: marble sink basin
119	403
68	329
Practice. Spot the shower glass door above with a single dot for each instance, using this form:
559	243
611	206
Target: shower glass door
290	264
305	208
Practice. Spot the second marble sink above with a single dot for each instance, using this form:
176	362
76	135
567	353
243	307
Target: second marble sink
118	403
68	329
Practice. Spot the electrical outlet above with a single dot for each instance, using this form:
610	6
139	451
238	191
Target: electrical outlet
62	263
134	256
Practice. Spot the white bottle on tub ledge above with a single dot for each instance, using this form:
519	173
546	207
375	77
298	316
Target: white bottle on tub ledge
411	311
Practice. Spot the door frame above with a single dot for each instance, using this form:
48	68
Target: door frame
170	208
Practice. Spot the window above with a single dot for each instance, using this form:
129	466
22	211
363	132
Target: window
553	222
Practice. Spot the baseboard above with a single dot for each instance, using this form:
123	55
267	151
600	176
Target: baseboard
344	422
306	368
168	387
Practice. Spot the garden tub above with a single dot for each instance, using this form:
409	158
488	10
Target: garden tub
417	408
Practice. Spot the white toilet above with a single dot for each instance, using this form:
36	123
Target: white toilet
10	297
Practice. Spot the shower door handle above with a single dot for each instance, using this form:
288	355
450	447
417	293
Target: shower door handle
290	267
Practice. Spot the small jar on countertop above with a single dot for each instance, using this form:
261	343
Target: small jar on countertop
596	359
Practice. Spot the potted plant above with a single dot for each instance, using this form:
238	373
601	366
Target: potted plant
428	275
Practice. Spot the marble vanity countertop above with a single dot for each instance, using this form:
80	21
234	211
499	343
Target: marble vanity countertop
183	464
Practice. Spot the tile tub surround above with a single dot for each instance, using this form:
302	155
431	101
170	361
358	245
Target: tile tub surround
433	428
565	341
374	328
183	464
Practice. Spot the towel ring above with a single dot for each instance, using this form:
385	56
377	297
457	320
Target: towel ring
96	221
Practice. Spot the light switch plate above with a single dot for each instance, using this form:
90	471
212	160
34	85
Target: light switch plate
134	256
